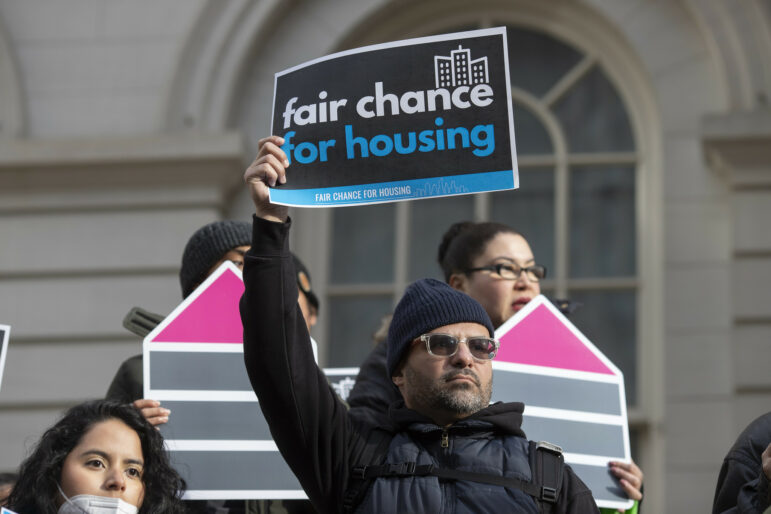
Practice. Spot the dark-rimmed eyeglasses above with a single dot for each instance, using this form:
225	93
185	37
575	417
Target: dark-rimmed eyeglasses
446	345
534	273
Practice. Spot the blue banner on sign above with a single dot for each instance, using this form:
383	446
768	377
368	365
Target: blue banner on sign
395	191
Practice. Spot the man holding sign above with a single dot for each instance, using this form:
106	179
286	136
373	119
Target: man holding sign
444	448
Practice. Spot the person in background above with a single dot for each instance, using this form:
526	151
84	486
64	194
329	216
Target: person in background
743	483
445	448
7	481
102	456
205	251
493	264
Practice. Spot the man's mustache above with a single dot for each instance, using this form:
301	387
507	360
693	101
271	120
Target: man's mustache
452	374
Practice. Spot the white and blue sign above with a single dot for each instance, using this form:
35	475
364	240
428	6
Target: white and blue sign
5	331
412	119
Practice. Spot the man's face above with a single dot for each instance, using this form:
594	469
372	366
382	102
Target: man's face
446	389
308	310
235	255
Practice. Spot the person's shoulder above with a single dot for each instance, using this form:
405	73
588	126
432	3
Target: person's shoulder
133	362
127	385
575	496
132	368
752	441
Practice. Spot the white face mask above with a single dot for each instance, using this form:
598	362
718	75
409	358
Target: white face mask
90	504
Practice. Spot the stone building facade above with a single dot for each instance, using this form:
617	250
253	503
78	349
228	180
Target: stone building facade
124	126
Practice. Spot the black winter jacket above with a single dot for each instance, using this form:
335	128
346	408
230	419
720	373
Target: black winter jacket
312	428
742	487
491	442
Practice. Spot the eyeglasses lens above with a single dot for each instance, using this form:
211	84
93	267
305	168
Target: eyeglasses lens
536	272
446	345
442	345
481	348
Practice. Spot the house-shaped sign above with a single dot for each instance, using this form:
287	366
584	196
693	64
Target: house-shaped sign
573	394
5	332
217	436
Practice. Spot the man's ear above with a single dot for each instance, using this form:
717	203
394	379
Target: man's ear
458	281
398	376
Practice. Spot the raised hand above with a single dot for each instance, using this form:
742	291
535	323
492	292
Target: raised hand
267	170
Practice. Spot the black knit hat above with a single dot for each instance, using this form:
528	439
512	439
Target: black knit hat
428	304
208	245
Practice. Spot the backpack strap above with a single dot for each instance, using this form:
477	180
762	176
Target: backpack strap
374	453
408	469
546	466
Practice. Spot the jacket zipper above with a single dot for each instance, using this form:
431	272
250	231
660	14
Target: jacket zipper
448	488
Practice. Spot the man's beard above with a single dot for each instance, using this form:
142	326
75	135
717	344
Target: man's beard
462	398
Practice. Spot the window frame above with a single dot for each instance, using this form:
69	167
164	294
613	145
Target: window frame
601	46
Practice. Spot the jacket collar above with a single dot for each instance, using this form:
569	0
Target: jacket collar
504	418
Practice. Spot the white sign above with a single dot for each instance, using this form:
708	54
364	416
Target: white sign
573	394
217	436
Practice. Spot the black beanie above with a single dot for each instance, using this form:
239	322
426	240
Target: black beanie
426	305
207	246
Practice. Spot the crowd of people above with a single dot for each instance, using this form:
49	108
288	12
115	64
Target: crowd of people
418	433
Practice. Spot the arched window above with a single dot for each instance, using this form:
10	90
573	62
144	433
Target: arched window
576	205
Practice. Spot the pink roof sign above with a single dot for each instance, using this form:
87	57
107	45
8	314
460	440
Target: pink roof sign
217	298
574	395
193	363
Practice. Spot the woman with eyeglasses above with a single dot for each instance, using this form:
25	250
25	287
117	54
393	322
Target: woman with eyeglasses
494	264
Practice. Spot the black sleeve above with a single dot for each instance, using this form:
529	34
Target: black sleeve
754	496
127	385
306	419
734	474
575	497
741	484
374	391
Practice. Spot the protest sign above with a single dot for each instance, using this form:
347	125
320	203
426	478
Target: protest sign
410	119
5	332
574	395
217	436
220	442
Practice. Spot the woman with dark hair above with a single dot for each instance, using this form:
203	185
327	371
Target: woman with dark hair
102	456
494	264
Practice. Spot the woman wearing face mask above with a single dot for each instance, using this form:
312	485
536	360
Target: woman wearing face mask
493	264
101	457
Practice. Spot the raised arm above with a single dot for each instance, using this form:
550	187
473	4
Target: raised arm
306	419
